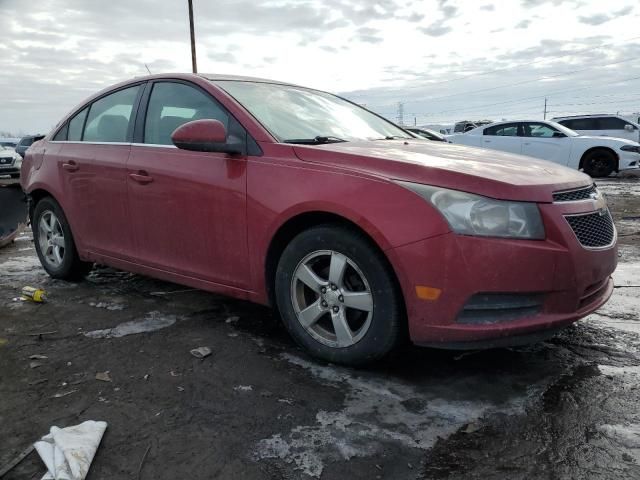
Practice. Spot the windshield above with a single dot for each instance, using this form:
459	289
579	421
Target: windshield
295	114
567	131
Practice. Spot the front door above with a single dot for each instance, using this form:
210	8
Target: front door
542	141
188	209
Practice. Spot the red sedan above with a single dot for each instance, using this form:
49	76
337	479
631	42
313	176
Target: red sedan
359	233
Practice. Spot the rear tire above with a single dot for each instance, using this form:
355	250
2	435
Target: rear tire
599	163
54	242
338	297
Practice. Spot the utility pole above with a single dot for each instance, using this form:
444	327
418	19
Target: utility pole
400	113
194	65
545	108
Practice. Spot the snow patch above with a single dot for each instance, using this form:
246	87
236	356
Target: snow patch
377	411
151	322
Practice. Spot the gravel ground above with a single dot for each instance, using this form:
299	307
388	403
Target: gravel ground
259	408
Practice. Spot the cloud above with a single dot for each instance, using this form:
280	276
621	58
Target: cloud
489	7
436	29
225	57
597	19
624	11
523	24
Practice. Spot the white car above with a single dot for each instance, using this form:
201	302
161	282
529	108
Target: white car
602	125
597	156
10	162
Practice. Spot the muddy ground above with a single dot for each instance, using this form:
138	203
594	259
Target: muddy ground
259	408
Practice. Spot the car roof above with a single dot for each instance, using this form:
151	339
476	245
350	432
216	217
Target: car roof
589	115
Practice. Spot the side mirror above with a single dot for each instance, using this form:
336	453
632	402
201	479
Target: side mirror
558	135
204	136
628	128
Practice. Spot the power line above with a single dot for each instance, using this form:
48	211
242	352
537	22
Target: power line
548	94
524	82
545	59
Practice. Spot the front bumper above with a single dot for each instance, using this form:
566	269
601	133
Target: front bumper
561	280
9	169
628	160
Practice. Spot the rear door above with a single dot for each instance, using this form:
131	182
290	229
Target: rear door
543	141
92	163
188	208
504	137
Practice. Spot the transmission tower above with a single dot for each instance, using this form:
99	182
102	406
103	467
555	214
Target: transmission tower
400	113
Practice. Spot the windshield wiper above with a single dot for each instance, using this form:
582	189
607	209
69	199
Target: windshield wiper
318	140
393	137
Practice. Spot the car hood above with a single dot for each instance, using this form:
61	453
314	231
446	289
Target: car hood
603	139
477	170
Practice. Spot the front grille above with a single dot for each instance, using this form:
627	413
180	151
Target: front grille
575	195
593	230
6	161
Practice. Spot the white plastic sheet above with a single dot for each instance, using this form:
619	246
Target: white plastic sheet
68	452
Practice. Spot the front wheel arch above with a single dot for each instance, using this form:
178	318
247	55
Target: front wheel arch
304	221
594	149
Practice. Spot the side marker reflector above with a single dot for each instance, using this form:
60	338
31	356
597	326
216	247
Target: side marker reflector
427	293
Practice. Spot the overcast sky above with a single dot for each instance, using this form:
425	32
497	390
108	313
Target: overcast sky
446	60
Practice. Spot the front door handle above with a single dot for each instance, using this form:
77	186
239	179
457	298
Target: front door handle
141	177
70	166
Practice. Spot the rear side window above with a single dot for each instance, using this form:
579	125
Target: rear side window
506	130
75	126
174	104
108	118
580	123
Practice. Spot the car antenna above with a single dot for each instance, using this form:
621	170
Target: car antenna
145	66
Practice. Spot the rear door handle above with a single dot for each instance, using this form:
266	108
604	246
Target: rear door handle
70	166
141	177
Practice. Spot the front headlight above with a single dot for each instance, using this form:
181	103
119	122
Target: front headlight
631	148
18	162
470	214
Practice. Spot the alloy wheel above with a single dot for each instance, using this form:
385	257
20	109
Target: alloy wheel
332	298
51	239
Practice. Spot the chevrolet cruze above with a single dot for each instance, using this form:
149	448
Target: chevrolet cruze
360	234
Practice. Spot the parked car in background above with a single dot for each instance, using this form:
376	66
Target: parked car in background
467	125
597	156
26	142
428	134
9	142
10	162
602	125
359	233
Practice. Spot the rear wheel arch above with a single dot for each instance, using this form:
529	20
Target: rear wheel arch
36	195
595	149
304	221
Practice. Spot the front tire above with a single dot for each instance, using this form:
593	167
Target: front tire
599	163
338	297
54	242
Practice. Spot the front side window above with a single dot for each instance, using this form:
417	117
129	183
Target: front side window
612	123
108	119
538	130
505	130
300	115
174	104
